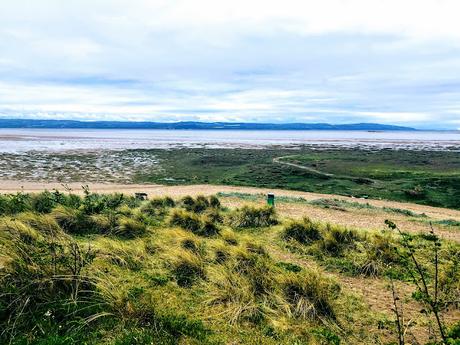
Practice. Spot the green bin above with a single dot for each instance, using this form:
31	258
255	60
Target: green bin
271	199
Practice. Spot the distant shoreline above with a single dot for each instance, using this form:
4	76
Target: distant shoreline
193	125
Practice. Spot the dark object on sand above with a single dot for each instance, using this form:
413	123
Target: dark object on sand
141	196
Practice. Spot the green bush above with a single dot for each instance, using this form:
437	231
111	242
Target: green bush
43	202
14	203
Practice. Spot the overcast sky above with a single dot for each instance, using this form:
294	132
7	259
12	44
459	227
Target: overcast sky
336	61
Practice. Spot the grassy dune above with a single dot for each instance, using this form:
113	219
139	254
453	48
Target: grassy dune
110	269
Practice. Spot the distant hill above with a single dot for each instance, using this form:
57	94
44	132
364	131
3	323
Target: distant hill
25	123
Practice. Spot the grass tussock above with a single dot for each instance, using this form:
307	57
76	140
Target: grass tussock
158	207
197	224
252	288
130	228
329	238
200	203
187	269
337	238
304	232
253	217
113	270
310	296
44	277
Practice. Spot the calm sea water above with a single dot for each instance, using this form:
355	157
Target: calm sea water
23	140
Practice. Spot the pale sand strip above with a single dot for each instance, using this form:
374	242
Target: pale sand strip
10	186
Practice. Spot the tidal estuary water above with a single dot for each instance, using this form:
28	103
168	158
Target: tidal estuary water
25	140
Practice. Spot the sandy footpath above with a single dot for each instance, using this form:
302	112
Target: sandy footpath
9	186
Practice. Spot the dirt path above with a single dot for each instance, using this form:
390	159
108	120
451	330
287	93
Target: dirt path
9	186
278	160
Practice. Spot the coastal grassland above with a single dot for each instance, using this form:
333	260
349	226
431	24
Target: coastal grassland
424	177
111	269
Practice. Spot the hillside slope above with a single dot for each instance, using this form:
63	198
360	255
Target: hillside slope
111	269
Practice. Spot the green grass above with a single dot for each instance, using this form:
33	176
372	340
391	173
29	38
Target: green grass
112	270
425	177
431	178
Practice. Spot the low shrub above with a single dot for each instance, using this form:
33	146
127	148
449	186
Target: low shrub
221	255
214	215
257	269
252	217
256	248
43	202
201	204
234	292
208	228
197	205
185	220
304	232
105	223
189	244
124	210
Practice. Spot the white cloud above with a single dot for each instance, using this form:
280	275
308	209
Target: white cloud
294	60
